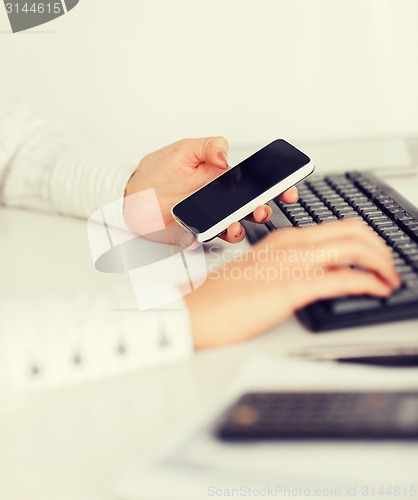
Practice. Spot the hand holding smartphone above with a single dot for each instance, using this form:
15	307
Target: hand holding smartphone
240	190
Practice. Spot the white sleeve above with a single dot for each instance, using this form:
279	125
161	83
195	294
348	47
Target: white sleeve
39	170
42	170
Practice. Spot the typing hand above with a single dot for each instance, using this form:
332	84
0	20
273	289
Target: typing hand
183	167
286	271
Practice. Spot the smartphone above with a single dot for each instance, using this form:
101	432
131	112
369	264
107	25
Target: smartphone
241	189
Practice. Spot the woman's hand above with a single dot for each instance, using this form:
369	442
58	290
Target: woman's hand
284	272
183	167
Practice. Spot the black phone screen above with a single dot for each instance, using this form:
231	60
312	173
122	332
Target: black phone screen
239	185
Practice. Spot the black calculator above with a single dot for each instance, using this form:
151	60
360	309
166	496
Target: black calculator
322	415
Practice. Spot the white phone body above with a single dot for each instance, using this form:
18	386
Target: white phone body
246	209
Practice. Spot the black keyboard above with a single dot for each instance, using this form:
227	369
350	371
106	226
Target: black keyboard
329	415
362	196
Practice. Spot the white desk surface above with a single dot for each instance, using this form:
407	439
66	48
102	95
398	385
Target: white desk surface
66	443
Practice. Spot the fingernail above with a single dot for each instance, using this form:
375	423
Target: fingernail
223	158
266	214
239	233
186	240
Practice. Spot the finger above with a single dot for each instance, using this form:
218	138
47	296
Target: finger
213	150
343	229
175	235
343	282
348	242
261	214
234	234
358	253
290	196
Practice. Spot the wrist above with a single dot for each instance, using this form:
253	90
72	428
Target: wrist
218	313
131	187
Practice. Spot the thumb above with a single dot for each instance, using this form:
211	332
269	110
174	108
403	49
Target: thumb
213	150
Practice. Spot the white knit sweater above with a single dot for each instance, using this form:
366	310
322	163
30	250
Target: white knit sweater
42	171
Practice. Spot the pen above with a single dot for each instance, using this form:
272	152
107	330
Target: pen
390	355
393	360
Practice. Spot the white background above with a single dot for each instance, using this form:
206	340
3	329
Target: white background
133	75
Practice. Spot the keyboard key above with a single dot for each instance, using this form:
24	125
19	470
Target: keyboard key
321	211
370	210
341	212
403	269
404	216
410	279
403	296
278	218
309	199
324	220
340	206
385	223
315	205
345	305
413	260
409	252
359	203
350	215
305	224
300	218
411	224
372	216
413	232
407	245
395	213
320	216
294	210
288	206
